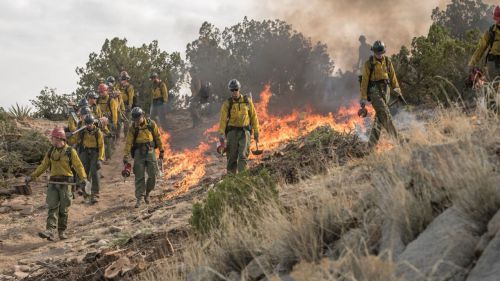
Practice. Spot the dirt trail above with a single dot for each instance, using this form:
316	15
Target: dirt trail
91	227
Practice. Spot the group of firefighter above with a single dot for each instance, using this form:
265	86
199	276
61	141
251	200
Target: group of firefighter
90	138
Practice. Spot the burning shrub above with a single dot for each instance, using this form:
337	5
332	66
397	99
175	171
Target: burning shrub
313	154
241	193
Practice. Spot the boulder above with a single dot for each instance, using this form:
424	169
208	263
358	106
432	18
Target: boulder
443	251
258	268
488	266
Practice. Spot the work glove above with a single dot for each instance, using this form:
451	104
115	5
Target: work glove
162	153
28	179
222	139
99	164
125	159
256	137
363	102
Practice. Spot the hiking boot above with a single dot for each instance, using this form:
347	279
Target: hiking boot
47	234
138	203
93	200
146	199
62	235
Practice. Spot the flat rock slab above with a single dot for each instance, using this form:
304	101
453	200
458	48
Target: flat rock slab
443	251
488	266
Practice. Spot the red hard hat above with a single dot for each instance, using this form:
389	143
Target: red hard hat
102	88
59	133
496	14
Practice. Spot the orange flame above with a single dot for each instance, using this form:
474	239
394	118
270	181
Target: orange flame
188	167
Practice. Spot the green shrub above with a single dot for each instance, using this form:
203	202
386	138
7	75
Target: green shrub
51	105
32	145
241	194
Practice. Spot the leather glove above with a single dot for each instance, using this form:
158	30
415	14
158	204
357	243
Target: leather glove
99	164
162	153
398	91
28	179
363	102
256	137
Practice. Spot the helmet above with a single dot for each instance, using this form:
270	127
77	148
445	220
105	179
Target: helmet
110	80
89	119
58	132
85	111
234	85
362	38
496	14
82	103
124	75
102	88
92	95
378	47
137	113
153	75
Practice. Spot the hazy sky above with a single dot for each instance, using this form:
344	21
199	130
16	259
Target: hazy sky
43	41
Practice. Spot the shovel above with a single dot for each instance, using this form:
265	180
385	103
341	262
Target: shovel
257	151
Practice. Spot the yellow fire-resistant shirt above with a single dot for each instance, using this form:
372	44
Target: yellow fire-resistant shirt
109	107
72	124
242	115
127	94
59	165
89	140
96	111
483	46
144	136
379	73
159	90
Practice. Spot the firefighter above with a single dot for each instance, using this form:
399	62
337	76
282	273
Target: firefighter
90	147
363	53
74	118
489	47
142	140
109	107
114	93
92	101
237	119
60	160
127	97
159	97
378	78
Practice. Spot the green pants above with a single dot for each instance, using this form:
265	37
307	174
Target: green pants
144	161
58	199
89	158
123	123
492	70
157	112
238	146
108	146
379	95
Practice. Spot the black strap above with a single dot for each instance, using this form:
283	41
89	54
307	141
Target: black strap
96	138
68	154
136	131
231	102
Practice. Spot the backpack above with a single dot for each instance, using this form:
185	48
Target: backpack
136	133
231	102
80	145
372	68
68	154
